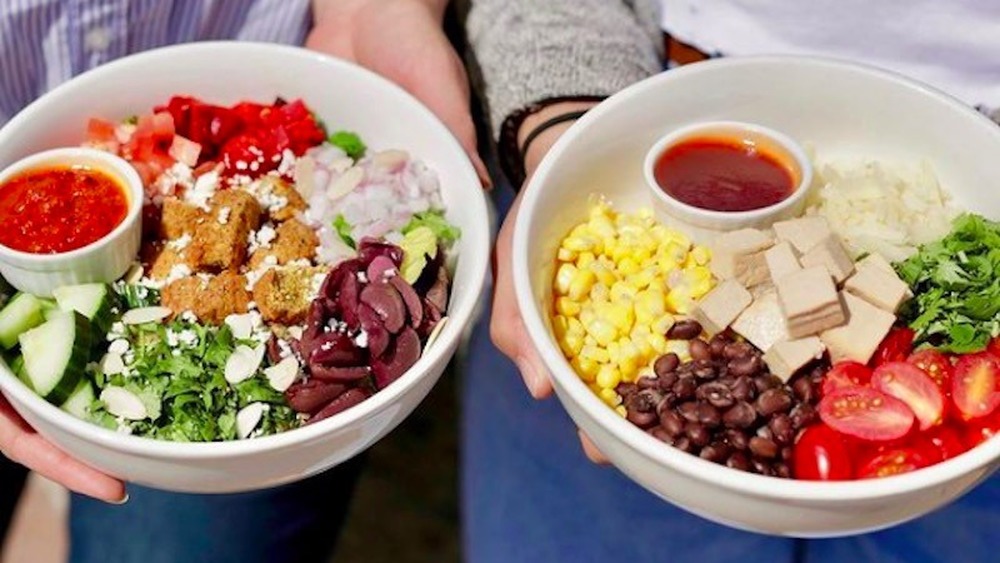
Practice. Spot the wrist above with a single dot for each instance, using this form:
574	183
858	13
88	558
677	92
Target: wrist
344	12
541	141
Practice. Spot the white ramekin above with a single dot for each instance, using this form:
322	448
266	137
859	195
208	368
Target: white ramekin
104	260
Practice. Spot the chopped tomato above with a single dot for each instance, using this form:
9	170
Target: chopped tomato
184	150
845	374
911	385
935	364
866	413
974	389
895	347
994	347
163	128
101	131
892	462
941	443
979	430
821	454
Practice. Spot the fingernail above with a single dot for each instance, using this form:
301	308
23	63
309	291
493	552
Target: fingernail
120	501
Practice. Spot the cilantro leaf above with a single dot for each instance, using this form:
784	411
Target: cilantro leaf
350	143
436	222
344	229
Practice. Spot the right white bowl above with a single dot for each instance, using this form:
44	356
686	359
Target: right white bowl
841	109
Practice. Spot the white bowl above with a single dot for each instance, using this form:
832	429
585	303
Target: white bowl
705	224
344	96
104	260
842	110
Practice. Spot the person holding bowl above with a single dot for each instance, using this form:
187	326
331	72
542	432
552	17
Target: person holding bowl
529	494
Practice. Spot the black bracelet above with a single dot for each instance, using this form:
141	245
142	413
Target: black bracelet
548	124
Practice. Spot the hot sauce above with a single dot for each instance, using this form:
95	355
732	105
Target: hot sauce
59	209
723	174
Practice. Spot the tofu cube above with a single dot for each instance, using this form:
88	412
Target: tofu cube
809	302
877	286
803	233
762	322
858	338
739	255
782	259
875	259
720	307
786	358
830	252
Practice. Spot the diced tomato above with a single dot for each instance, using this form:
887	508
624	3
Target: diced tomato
895	347
974	389
994	347
822	454
249	113
911	385
941	443
982	429
184	150
866	413
101	131
892	462
163	129
935	364
146	172
211	127
845	374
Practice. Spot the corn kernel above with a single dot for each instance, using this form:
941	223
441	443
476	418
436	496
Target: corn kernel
566	255
586	369
620	409
585	259
564	277
608	377
605	275
620	314
580	285
610	397
680	347
662	324
579	243
595	354
571	344
623	290
587	315
614	352
600	293
567	307
560	326
679	300
602	330
658	342
602	226
575	327
628	267
628	361
701	255
650	304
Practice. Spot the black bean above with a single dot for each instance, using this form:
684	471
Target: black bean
671	422
666	364
736	439
628	389
803	415
641	419
697	433
699	350
667	380
684	330
765	432
708	415
717	344
660	434
688	411
716	452
787	452
738	461
782	470
683	443
781	428
763	448
773	401
736	350
762	467
705	372
740	415
765	382
685	389
803	389
717	394
666	403
743	389
746	365
642	383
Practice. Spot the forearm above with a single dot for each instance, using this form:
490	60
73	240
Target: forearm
533	50
330	12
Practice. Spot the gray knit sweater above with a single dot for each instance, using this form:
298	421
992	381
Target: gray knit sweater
532	50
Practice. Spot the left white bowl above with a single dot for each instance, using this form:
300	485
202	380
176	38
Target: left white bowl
104	260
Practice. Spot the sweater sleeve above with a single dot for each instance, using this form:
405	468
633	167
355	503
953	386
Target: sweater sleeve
532	50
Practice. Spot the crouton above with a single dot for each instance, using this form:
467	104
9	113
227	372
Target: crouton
221	245
179	218
163	258
293	241
283	295
282	190
210	298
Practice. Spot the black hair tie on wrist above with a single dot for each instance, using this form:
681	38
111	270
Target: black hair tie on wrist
546	125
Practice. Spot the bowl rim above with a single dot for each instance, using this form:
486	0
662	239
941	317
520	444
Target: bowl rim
449	339
570	388
71	156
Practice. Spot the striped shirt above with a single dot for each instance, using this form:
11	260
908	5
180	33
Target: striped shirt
45	42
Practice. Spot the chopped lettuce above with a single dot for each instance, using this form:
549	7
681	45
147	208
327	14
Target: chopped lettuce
350	143
344	230
136	296
956	287
436	222
418	245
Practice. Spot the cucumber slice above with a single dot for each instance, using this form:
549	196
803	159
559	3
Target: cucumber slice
24	312
56	354
79	401
93	300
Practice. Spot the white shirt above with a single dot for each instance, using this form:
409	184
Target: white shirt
951	44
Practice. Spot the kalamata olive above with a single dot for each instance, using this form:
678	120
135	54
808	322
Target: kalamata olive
339	374
380	269
684	330
665	364
377	335
370	248
414	307
311	395
343	402
699	350
335	349
400	356
387	302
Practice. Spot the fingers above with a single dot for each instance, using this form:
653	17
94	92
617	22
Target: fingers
21	444
590	449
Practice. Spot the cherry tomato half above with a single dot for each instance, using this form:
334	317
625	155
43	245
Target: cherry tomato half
943	442
910	384
866	413
975	387
994	347
895	347
979	430
892	462
822	454
935	364
845	374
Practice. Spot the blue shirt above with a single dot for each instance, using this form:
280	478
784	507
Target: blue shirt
45	42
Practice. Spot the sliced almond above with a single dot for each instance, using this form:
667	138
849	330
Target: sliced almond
241	325
145	315
134	274
248	418
304	174
112	364
435	333
283	374
243	363
124	403
345	183
295	332
391	160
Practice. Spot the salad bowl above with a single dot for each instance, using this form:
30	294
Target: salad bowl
339	93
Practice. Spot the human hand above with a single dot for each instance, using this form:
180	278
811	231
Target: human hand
506	325
403	40
21	444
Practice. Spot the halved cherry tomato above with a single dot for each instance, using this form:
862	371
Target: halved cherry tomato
822	454
866	413
895	347
911	385
975	386
979	430
845	374
935	364
941	443
994	347
892	462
